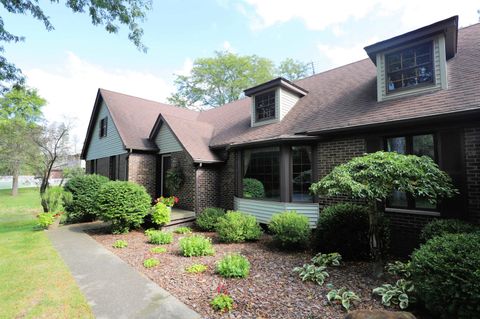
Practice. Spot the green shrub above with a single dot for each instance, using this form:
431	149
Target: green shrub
235	227
342	296
290	229
160	214
125	204
158	250
84	190
310	272
54	198
183	230
196	245
151	262
441	227
343	228
253	188
158	237
120	244
332	259
196	268
401	294
446	275
208	218
400	269
222	302
45	219
233	266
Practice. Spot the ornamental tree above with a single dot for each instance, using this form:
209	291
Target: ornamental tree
374	177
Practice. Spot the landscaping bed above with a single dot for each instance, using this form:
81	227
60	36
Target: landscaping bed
271	290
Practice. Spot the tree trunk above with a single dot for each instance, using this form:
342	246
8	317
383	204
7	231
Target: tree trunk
44	184
15	181
376	244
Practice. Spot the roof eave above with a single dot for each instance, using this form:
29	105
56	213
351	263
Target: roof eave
277	82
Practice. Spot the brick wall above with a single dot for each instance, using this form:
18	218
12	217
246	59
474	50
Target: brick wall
208	187
227	182
186	194
472	166
142	170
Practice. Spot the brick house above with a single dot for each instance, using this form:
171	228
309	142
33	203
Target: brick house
418	93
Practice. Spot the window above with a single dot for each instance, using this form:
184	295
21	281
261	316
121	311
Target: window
419	145
265	106
301	173
263	165
409	67
103	127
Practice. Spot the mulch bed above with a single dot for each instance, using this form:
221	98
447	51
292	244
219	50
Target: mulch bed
271	290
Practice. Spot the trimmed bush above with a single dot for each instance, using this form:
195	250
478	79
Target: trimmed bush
196	245
343	228
84	190
253	188
160	214
235	227
290	229
125	204
208	218
158	237
233	266
446	273
441	227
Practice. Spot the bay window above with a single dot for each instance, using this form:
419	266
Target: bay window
301	173
262	165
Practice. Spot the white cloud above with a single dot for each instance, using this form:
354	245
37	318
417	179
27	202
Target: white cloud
341	55
228	47
71	89
186	68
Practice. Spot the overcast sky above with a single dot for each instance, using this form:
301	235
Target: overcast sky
69	64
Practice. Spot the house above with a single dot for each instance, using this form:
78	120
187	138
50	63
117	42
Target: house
417	93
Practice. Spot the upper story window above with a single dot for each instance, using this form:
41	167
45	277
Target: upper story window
265	106
410	67
103	127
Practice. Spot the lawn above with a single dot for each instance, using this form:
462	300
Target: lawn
35	281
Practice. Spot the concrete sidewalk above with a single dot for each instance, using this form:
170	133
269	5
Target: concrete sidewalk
113	288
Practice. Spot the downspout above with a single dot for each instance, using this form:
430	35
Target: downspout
196	186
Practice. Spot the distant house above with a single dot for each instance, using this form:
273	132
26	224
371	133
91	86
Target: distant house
418	93
68	162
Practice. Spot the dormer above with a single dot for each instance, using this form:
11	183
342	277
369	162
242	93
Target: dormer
414	62
272	100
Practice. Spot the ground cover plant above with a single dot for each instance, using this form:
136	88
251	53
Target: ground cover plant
332	259
159	237
290	229
183	230
158	250
235	227
151	262
196	268
196	245
346	298
400	294
208	218
233	266
120	243
310	272
222	301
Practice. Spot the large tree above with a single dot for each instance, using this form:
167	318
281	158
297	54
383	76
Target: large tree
292	69
108	13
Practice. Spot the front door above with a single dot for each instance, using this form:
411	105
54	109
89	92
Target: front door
166	165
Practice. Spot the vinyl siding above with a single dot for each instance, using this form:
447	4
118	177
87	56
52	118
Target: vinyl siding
263	210
287	101
166	141
106	146
284	102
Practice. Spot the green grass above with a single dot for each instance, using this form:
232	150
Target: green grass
35	282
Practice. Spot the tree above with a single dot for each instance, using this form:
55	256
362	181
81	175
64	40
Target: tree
108	13
292	69
374	177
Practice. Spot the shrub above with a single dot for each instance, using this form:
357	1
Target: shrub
183	230
400	269
158	237
151	262
441	227
446	273
45	219
238	227
208	218
222	302
196	245
125	204
343	228
160	214
312	273
400	294
290	229
120	244
253	188
196	268
158	250
54	198
84	189
233	266
332	259
342	296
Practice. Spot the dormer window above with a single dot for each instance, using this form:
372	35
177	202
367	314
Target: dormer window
265	106
410	67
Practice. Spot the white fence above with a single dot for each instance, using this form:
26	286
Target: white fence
25	181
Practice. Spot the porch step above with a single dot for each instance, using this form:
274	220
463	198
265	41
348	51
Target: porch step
172	225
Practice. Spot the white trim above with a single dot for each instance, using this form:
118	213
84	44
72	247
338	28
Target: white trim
161	176
443	62
412	211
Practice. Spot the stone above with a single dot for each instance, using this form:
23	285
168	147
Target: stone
379	314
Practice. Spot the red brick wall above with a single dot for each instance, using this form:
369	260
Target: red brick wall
472	166
142	170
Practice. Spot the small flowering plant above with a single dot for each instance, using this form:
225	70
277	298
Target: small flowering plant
168	201
222	301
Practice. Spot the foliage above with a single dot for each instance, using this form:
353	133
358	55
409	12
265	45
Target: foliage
235	227
158	237
233	266
342	296
332	259
441	227
84	190
158	250
196	268
174	180
290	229
167	201
400	269
22	103
446	273
222	302
71	172
310	272
196	245
183	230
160	214
54	197
208	218
292	69
343	228
151	262
45	219
120	243
253	188
125	204
400	294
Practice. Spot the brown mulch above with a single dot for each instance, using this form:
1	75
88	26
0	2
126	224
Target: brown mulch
270	291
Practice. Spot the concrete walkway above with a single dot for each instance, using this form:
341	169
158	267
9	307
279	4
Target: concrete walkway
113	288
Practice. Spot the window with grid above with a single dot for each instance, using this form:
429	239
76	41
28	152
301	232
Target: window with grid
410	67
263	164
103	127
265	106
301	173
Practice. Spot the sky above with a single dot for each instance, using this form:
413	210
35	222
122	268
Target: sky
69	64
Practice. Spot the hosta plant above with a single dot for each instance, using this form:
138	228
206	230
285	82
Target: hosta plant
196	268
309	272
400	294
400	269
342	296
222	301
158	237
158	250
332	259
120	243
183	230
151	262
